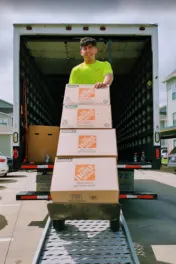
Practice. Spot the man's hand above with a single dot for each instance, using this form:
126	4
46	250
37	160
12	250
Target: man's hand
100	85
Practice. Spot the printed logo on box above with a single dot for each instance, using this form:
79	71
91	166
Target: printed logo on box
76	197
85	114
87	142
85	172
86	93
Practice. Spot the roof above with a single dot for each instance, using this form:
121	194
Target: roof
170	76
87	24
5	104
2	113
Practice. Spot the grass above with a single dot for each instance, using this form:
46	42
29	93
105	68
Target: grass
164	161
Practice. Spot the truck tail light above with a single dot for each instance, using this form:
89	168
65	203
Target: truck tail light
15	154
141	28
157	137
102	28
157	153
68	28
15	137
28	27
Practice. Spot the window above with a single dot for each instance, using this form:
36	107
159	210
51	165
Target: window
163	124
163	143
173	91
3	121
174	143
174	119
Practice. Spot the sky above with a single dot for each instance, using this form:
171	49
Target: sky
161	12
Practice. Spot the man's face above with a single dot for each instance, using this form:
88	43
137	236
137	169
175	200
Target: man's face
88	51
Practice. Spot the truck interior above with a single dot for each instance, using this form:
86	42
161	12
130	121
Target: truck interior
45	66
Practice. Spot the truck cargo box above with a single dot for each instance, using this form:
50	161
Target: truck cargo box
43	59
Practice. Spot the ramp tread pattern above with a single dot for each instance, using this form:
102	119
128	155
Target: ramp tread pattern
86	242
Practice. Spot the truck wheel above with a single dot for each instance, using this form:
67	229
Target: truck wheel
115	225
58	225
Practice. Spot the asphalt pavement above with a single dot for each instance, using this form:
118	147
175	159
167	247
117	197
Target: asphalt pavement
152	223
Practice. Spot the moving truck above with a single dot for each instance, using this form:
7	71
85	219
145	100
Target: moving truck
44	55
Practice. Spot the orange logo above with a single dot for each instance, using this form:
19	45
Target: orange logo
85	172
85	93
87	142
86	114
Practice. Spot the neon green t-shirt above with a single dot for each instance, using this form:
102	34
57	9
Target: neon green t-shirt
90	73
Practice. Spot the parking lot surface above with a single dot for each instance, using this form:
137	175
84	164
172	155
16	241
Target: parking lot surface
151	223
21	222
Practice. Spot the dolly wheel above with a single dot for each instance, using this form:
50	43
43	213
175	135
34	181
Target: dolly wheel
115	225
58	225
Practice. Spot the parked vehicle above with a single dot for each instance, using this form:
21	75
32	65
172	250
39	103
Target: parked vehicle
164	154
9	161
172	158
4	168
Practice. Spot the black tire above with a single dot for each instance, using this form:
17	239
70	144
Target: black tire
58	225
115	225
5	175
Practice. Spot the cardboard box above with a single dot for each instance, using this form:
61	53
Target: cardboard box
85	94
42	140
85	180
87	142
86	116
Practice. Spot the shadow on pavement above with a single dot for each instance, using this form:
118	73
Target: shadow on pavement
2	188
151	222
40	224
3	222
7	181
161	262
16	176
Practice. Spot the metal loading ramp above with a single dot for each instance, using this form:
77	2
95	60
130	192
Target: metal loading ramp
86	242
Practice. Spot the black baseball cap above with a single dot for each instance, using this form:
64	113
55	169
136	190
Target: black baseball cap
87	41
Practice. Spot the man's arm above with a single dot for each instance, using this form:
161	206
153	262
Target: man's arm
108	79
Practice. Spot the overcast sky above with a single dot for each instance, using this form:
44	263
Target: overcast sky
161	12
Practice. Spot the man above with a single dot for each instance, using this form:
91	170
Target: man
91	71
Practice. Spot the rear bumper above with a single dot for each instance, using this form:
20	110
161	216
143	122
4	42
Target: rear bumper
4	171
50	166
46	196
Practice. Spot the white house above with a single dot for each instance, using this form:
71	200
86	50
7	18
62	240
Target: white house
171	105
163	124
6	128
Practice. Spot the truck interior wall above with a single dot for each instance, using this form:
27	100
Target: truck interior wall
132	108
131	100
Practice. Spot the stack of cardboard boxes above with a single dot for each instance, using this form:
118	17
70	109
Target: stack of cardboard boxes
85	168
